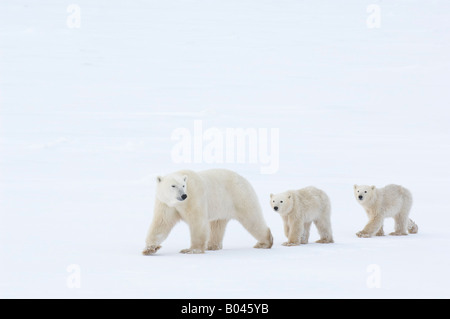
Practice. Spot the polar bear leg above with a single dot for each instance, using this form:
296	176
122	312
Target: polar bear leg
380	232
401	223
255	225
163	221
267	242
305	236
285	225
372	227
296	230
199	235
402	219
324	228
217	231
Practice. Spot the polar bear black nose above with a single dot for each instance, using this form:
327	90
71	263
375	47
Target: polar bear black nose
183	197
276	208
360	197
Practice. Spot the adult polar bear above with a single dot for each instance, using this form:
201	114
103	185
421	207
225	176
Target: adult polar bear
206	201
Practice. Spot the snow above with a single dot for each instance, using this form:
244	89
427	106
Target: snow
86	122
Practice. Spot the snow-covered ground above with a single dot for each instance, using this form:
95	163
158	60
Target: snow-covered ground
92	94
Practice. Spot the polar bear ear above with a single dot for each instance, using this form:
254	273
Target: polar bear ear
354	186
158	179
372	187
185	178
271	195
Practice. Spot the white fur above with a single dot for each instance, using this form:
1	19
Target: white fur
300	208
379	203
213	198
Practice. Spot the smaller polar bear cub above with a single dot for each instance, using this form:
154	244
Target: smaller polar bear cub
379	203
300	208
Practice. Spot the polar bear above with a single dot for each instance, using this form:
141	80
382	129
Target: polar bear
206	201
379	203
298	209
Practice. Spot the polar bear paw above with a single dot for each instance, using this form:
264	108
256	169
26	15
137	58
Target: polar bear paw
398	234
214	247
192	251
149	250
288	243
325	241
363	234
263	245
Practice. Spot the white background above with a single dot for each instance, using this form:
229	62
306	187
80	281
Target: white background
87	116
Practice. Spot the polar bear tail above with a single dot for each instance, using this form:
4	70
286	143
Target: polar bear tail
412	227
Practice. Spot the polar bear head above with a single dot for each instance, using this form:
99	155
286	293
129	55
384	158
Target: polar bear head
282	203
172	189
364	193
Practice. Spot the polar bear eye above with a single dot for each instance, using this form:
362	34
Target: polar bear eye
184	185
365	191
281	201
173	186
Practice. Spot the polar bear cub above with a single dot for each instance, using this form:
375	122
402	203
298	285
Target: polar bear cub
206	201
300	208
379	203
